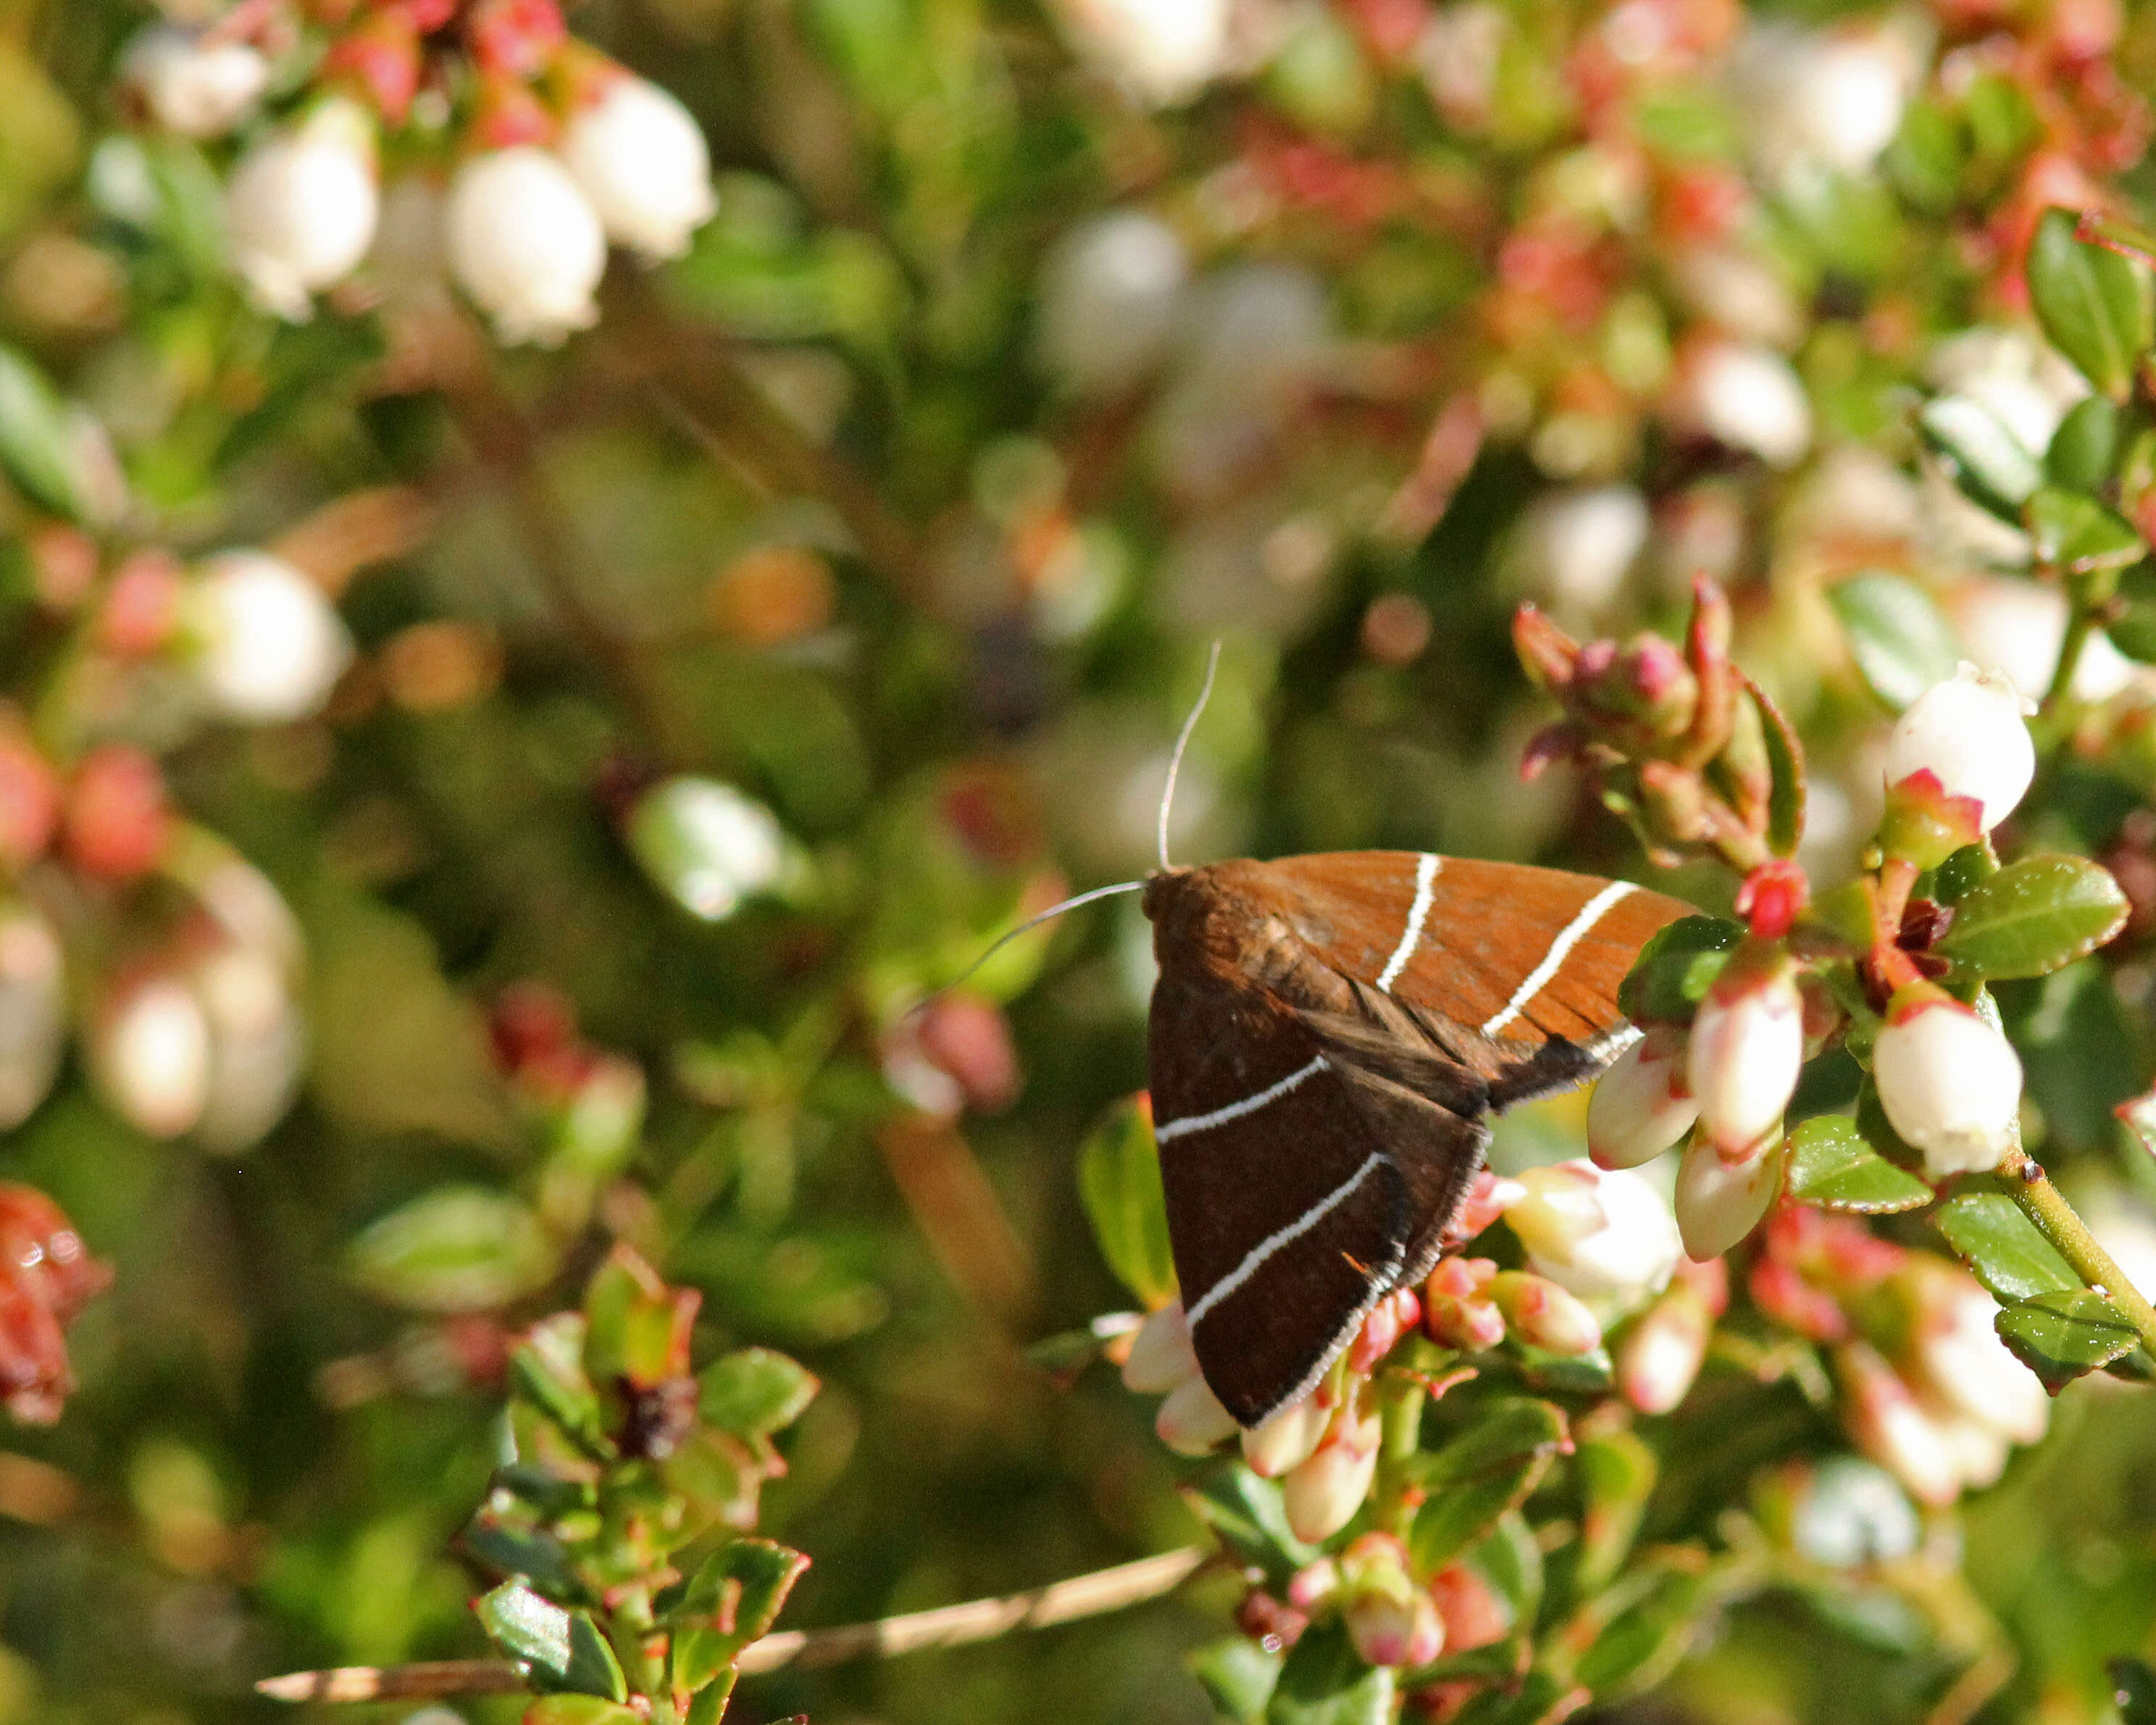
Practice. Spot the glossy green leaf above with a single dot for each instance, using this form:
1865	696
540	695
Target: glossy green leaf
1960	874
1785	761
1643	1642
1987	461
522	1552
1900	640
2085	448
38	448
559	1649
547	1371
1481	1475
2034	917
1616	1472
1675	969
2065	1334
1119	1181
1537	1698
2092	303
2078	534
579	1710
2002	1247
1238	1674
755	1391
1322	1683
732	1600
1248	1517
1830	1165
455	1249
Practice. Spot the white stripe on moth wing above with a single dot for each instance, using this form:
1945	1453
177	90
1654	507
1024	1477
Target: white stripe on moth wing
1257	1254
1235	1111
1575	931
1425	880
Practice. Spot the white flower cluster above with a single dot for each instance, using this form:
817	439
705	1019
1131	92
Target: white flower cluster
526	227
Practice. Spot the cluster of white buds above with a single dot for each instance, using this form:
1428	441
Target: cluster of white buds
1943	1418
263	642
1726	1082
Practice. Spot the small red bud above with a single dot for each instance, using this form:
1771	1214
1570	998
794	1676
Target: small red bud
117	819
1774	895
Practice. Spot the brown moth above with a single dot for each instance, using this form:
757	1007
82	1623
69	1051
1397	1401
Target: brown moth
1328	1036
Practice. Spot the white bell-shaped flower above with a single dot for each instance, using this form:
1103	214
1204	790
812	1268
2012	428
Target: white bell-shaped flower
1970	733
525	243
197	87
1642	1104
269	645
642	161
300	208
1950	1083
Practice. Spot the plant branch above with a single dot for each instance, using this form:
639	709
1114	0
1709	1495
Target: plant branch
1089	1595
2057	1221
2081	624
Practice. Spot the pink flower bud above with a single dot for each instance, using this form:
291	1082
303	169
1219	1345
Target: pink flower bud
1969	731
1287	1440
1191	1420
1322	1494
1746	1047
1660	1358
301	206
1391	1318
1642	1104
641	161
118	821
1311	1588
1394	1626
1543	1315
1950	1083
1887	1423
1718	1201
1456	1313
525	243
1475	1615
1161	1355
1598	1234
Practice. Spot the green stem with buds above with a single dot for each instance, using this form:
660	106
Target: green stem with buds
2057	1221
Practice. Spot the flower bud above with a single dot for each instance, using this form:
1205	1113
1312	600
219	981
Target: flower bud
1950	1083
1598	1233
1475	1614
300	208
1642	1105
256	1041
1965	1365
1746	1047
1718	1201
1887	1423
1543	1315
1849	1512
33	1012
270	644
1312	1587
1660	1358
118	822
149	1056
197	88
1395	1626
642	161
1162	53
1575	546
1161	1355
1969	733
524	242
1391	1318
1191	1420
1457	1311
706	845
1322	1494
1110	291
1749	398
1285	1441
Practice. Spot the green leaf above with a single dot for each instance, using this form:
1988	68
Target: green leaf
2002	1247
579	1710
1238	1674
1119	1180
37	448
1960	874
455	1249
1988	461
2093	304
1675	969
2079	535
1640	1644
1322	1683
529	1556
1479	1477
559	1649
1900	642
755	1391
732	1600
1247	1516
2061	1335
1785	761
1537	1698
2085	448
2034	917
1616	1473
1925	158
547	1371
1832	1167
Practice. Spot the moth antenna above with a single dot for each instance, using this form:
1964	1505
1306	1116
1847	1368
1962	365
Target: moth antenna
1182	742
1030	922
